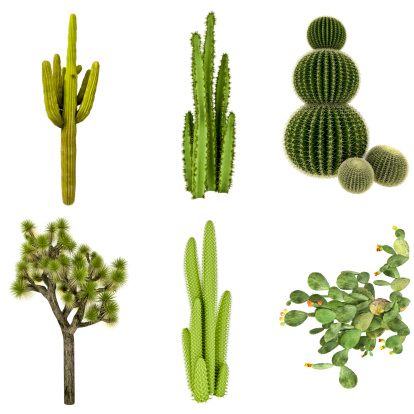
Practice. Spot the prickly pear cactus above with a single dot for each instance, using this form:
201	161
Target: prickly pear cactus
356	175
350	314
326	130
390	166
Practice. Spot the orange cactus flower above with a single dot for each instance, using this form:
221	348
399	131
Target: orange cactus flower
319	302
310	304
308	365
381	340
383	347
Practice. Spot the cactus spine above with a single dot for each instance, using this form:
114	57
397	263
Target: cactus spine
209	136
390	165
356	175
326	130
205	344
61	103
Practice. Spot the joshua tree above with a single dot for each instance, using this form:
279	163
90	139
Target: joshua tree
62	98
51	264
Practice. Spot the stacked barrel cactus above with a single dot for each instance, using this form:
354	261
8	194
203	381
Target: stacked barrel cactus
209	135
205	343
350	314
326	130
62	99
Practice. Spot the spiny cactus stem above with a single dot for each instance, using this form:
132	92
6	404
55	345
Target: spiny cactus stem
68	135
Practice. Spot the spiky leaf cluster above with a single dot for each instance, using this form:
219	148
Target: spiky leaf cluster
318	138
350	314
209	134
356	175
326	130
52	262
205	343
390	165
326	33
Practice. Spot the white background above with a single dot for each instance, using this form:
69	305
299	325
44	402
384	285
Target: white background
274	228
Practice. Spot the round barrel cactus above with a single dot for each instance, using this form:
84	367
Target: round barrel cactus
390	165
356	175
326	131
326	33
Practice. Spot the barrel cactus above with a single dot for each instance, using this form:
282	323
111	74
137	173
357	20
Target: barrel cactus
326	130
390	165
350	314
356	175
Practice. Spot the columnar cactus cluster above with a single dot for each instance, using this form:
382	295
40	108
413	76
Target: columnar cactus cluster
205	343
326	130
350	314
62	99
209	135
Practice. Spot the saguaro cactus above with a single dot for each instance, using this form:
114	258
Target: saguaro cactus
62	99
208	142
326	130
356	319
205	343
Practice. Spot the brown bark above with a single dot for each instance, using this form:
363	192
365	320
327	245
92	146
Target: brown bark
69	367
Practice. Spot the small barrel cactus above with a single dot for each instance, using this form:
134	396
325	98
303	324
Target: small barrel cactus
390	165
326	130
356	175
350	314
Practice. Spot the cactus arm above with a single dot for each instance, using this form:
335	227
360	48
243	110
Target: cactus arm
188	148
52	108
68	136
221	103
222	328
186	339
78	69
57	73
227	155
208	60
210	300
89	95
200	382
82	89
222	377
191	271
200	145
60	95
196	331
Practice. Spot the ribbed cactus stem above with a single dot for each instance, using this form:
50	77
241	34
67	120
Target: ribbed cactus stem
210	300
68	135
200	143
227	155
208	59
196	331
188	134
222	328
186	339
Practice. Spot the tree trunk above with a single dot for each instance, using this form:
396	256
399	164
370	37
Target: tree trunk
69	367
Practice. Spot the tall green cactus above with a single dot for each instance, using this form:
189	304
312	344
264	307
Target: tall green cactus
209	135
205	344
356	319
62	99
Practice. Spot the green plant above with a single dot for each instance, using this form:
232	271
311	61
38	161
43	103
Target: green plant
390	166
51	264
205	343
209	135
62	101
356	175
353	320
326	130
